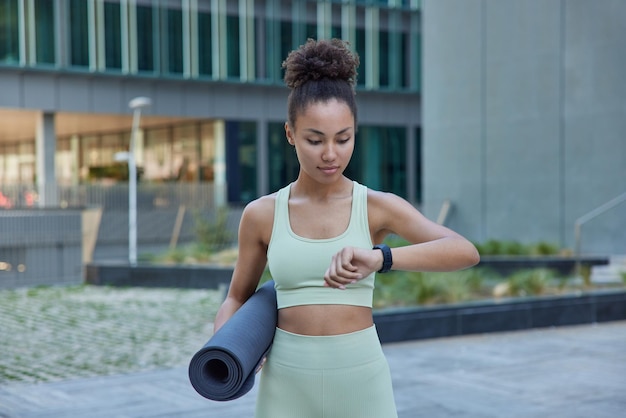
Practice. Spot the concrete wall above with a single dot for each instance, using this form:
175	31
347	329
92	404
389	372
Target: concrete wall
524	118
110	94
40	247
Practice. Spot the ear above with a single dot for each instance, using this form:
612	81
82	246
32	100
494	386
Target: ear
289	134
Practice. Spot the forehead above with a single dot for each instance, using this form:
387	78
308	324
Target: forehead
326	112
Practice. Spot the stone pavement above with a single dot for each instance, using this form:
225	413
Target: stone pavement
577	371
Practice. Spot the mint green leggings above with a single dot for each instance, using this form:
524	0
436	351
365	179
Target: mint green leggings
339	376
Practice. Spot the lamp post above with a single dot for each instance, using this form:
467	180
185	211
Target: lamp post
136	105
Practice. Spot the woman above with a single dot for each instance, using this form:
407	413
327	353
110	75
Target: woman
317	236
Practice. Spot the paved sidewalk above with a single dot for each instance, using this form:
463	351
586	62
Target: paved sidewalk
569	372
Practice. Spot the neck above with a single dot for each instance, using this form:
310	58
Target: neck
304	187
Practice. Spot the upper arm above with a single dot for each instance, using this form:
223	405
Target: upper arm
390	214
255	230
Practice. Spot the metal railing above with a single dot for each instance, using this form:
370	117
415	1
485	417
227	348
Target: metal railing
446	206
115	197
586	218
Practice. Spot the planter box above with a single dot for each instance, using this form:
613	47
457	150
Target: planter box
505	264
152	275
495	315
400	324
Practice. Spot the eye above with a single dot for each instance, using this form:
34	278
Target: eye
343	140
314	141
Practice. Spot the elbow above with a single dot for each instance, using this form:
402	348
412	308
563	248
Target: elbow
473	256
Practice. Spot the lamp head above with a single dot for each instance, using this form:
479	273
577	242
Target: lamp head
139	103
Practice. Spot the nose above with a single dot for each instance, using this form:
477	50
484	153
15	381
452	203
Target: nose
329	153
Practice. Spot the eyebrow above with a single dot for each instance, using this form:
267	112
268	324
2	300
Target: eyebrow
315	131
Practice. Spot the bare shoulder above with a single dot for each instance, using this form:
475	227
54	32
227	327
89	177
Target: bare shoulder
381	203
261	208
258	218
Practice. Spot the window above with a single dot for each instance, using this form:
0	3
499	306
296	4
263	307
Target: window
241	161
44	31
9	32
174	45
360	49
205	50
379	159
145	38
233	47
79	33
112	36
282	160
383	59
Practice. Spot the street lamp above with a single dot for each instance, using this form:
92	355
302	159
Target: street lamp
136	105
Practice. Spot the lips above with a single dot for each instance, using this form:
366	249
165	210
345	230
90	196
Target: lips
329	170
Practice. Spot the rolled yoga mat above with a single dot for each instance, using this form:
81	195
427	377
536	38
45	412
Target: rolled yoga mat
224	369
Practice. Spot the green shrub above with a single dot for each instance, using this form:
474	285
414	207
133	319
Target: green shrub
530	282
544	248
509	247
490	247
514	248
213	235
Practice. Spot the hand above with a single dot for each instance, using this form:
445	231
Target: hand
260	366
350	265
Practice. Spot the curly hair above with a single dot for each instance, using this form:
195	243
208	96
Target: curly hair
319	71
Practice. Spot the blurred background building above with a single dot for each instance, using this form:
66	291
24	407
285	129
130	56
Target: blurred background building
214	134
524	114
524	118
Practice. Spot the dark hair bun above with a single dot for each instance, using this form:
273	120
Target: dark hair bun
323	59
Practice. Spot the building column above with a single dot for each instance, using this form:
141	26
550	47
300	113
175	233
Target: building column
45	149
262	169
219	165
411	165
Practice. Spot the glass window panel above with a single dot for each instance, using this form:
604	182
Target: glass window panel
9	31
11	164
232	46
174	41
26	162
241	164
185	149
90	157
207	152
145	38
360	49
64	160
282	159
79	33
311	32
286	44
205	51
112	35
417	71
157	155
110	145
418	164
404	61
383	58
44	31
379	159
2	152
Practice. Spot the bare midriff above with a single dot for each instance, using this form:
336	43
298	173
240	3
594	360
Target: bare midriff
324	319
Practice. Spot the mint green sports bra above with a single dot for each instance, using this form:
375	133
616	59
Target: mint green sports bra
298	264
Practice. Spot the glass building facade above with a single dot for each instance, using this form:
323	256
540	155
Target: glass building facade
239	41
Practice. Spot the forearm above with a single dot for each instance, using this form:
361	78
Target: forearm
443	254
228	309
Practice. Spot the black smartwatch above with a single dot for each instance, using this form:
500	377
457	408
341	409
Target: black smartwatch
387	261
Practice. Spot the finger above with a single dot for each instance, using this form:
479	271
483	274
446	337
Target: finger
260	366
341	272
